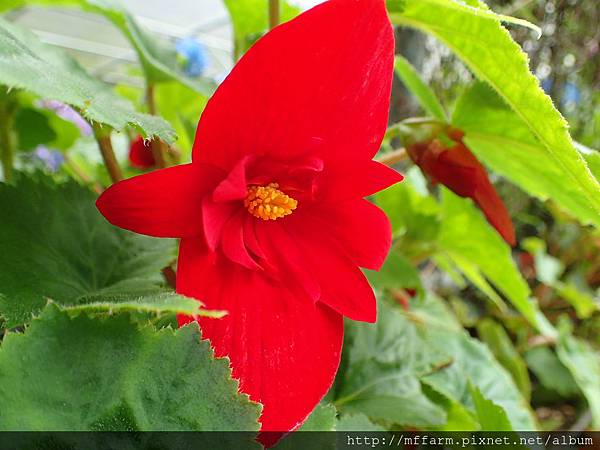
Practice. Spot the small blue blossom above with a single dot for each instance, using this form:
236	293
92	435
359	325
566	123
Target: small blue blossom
193	54
571	94
50	159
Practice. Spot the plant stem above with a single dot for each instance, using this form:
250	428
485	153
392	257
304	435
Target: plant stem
274	13
107	152
158	146
7	144
82	175
393	157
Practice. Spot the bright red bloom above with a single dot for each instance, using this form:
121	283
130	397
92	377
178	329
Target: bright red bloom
271	212
458	169
140	154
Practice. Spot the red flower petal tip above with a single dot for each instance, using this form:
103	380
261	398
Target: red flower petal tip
271	211
458	169
140	154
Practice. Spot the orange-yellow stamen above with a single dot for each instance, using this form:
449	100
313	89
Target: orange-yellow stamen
268	202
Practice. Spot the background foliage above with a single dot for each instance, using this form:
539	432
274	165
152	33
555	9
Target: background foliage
472	334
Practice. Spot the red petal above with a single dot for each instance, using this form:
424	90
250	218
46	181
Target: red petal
349	180
233	241
284	254
361	228
140	154
163	203
460	170
234	187
492	206
284	350
343	286
323	77
214	217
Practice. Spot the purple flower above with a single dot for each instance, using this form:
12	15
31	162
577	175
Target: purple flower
67	113
50	159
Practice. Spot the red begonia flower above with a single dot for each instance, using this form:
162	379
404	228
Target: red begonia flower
271	212
140	154
458	169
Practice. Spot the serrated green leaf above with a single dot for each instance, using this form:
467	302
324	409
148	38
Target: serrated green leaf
468	236
384	362
491	416
498	341
504	143
473	362
423	93
592	157
72	374
154	303
159	63
584	364
56	245
321	419
27	63
478	38
250	20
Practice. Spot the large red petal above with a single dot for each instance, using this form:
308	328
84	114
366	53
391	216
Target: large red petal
350	180
343	286
163	203
360	227
323	77
284	350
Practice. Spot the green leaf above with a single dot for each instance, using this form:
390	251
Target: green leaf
182	107
27	63
584	364
250	20
584	304
356	422
478	38
490	415
414	217
154	303
159	63
466	235
498	341
424	94
504	143
384	362
32	129
474	363
549	269
396	273
56	245
592	158
72	374
550	372
321	419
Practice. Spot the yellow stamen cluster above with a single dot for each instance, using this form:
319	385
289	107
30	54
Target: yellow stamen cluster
268	202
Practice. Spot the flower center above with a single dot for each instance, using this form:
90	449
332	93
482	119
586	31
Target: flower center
268	202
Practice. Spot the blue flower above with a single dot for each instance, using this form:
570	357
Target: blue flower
193	54
571	94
